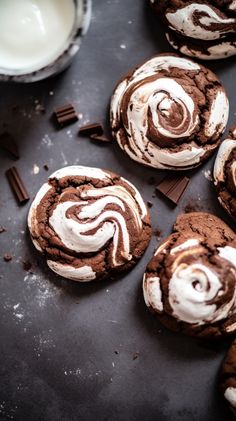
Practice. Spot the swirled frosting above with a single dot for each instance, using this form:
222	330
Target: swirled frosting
159	114
88	222
205	30
191	281
225	173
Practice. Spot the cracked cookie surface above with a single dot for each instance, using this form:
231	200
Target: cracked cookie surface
225	173
204	29
169	113
190	283
89	223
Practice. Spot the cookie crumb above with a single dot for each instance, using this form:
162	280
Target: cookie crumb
7	257
136	355
27	265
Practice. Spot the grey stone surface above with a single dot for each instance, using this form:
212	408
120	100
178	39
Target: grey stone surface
57	338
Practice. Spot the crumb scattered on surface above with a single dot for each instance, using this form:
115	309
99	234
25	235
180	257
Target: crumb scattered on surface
136	355
27	265
208	175
7	257
2	229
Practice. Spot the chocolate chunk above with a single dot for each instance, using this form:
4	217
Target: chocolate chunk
45	167
7	257
2	229
150	204
8	144
66	115
27	265
91	129
102	138
173	187
17	185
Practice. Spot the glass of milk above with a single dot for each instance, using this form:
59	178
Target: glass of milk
39	38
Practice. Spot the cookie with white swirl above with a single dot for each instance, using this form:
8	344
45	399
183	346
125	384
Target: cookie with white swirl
169	113
190	284
204	29
228	377
89	223
225	173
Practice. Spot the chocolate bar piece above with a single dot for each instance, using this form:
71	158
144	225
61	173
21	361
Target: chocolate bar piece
66	115
91	129
102	138
17	185
173	187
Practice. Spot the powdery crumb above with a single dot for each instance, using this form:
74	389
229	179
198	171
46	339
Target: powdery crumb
44	290
46	140
123	46
35	169
208	175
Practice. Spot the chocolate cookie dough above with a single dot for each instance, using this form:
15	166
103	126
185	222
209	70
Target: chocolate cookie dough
228	377
89	223
225	173
169	113
190	284
204	29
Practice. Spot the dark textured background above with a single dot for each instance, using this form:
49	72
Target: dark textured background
58	339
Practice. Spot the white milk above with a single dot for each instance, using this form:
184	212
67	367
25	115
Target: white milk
33	33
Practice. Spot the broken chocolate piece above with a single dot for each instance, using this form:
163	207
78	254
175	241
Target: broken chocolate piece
17	185
66	115
9	145
91	129
101	138
149	204
173	187
2	229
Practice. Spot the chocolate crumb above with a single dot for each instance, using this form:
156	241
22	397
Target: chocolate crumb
116	352
7	257
136	355
192	207
157	233
27	265
2	229
45	167
150	204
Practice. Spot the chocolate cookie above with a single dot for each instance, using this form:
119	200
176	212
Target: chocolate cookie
169	113
228	377
204	29
89	223
190	283
225	173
